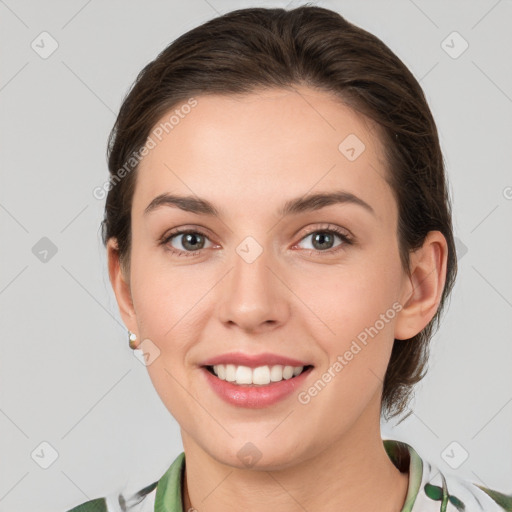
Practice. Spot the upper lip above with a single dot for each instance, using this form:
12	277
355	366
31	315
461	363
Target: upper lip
253	360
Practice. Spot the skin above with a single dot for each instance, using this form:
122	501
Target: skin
247	155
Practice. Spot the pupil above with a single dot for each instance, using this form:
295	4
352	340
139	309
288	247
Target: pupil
191	237
322	238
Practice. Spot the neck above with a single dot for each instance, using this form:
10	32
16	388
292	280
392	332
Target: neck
354	473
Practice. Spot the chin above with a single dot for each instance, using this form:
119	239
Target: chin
259	453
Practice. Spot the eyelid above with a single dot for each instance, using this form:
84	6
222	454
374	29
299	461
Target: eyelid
327	227
180	230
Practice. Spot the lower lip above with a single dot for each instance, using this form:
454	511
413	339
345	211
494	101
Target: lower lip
255	396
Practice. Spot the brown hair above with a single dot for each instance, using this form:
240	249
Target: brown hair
253	48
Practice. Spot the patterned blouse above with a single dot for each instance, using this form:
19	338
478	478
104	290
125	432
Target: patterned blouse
429	490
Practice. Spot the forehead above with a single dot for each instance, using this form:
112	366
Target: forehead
271	143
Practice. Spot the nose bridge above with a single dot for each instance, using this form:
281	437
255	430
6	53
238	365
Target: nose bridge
253	296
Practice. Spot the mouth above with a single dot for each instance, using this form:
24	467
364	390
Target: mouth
265	375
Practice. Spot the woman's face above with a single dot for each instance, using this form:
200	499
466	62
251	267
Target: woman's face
254	281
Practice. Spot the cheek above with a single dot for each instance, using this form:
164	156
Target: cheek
347	300
168	307
355	309
356	337
165	298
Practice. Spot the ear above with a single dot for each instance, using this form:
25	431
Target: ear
121	286
422	291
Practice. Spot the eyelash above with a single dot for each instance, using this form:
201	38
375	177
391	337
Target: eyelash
346	239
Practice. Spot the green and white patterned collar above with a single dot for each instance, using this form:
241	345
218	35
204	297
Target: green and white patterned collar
168	491
169	497
429	490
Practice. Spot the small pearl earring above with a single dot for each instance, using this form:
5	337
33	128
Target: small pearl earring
133	339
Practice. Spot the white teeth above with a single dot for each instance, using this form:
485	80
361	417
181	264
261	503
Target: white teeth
276	373
243	375
261	375
230	372
221	371
288	372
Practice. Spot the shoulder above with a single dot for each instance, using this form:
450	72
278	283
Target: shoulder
167	489
97	505
431	490
457	494
141	501
451	493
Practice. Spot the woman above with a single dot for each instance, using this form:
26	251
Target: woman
246	146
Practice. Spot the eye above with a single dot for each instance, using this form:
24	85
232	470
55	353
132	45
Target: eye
190	240
323	239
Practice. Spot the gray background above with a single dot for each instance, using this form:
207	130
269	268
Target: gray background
67	375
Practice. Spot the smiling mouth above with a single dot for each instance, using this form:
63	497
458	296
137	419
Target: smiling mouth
259	376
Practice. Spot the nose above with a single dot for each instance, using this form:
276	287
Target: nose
253	295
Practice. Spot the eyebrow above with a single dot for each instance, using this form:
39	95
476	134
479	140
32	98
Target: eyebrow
295	206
